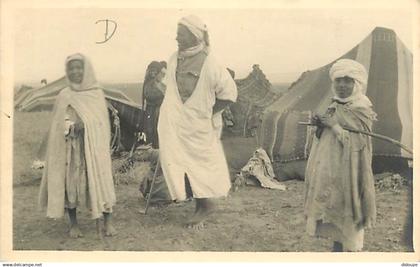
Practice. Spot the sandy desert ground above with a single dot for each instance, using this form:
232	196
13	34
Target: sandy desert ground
250	219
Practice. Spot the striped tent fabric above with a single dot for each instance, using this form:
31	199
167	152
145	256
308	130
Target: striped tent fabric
130	113
22	93
43	98
390	88
254	94
284	139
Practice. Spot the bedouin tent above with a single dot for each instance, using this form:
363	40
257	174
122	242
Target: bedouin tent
390	88
128	113
254	94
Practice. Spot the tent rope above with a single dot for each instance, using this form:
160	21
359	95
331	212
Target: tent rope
116	138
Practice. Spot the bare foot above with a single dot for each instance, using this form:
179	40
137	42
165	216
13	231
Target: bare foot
203	208
110	230
99	228
74	226
75	231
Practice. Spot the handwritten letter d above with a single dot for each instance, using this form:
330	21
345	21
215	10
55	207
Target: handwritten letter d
107	34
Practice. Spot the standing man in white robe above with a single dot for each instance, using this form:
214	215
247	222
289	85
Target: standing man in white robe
190	122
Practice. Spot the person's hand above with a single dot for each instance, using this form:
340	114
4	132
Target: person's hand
68	126
316	119
220	105
328	121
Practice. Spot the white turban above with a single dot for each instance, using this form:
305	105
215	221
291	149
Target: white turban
195	25
349	68
354	70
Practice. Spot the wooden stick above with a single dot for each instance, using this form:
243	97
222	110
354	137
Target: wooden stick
379	136
149	196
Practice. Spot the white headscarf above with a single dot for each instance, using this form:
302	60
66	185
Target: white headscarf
199	30
89	79
356	71
196	26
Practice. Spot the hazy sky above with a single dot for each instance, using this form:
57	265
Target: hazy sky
285	42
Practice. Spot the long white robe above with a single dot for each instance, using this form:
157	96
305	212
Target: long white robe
90	105
88	101
189	133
